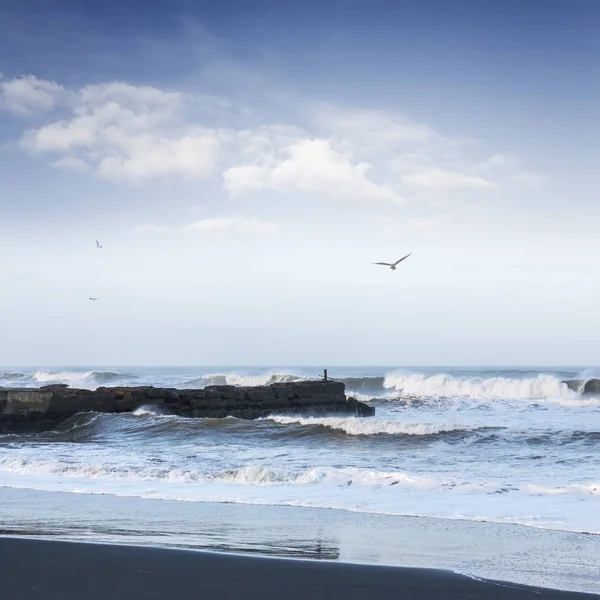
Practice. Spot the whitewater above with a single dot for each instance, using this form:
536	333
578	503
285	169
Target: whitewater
502	445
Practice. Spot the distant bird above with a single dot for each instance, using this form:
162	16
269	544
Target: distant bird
94	299
392	266
98	244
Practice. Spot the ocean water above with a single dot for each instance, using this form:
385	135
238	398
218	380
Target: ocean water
515	446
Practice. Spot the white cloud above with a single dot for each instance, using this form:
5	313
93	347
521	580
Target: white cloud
192	157
434	178
232	227
133	133
374	130
309	165
129	133
28	95
72	164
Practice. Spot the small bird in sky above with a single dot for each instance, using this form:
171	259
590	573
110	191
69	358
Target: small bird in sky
94	299
98	244
392	266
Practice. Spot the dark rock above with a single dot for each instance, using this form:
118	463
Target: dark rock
283	390
333	387
276	403
307	389
260	394
36	409
229	403
324	400
360	409
171	396
185	399
225	391
123	404
301	402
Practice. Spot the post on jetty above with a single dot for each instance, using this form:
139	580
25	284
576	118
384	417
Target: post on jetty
324	374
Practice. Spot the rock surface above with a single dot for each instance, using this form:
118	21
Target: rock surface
37	409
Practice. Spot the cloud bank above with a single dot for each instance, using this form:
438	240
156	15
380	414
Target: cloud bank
131	134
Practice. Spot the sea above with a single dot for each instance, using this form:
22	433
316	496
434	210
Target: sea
502	446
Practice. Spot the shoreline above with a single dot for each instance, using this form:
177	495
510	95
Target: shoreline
512	555
51	569
341	509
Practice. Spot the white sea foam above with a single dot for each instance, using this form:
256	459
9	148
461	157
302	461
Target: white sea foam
350	488
61	377
446	386
249	475
80	379
243	380
574	488
371	426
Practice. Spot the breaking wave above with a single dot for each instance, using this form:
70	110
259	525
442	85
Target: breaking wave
506	385
81	379
363	427
446	386
243	380
259	475
88	377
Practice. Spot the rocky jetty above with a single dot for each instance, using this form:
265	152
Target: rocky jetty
38	409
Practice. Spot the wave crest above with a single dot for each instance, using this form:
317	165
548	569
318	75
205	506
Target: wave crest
445	386
243	380
359	427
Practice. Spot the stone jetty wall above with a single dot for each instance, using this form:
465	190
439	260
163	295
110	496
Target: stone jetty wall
37	409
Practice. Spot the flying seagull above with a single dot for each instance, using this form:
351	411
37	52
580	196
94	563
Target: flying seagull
392	266
98	244
94	299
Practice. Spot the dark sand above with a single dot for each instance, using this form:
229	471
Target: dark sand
48	570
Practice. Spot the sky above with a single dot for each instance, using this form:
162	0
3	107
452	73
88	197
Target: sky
244	164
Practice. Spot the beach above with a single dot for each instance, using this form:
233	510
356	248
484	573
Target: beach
82	538
461	476
50	570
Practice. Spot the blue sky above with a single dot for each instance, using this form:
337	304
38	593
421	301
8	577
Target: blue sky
243	164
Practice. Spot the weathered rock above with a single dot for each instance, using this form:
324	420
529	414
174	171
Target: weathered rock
276	403
210	402
26	402
34	409
260	394
324	400
360	409
225	391
283	390
303	402
333	387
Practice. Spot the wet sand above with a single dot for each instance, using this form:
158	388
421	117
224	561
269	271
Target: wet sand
51	570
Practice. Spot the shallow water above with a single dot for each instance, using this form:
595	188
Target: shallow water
502	552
